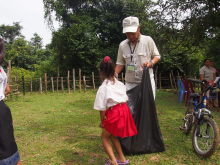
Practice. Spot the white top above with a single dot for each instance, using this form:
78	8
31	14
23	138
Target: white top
208	72
109	94
3	83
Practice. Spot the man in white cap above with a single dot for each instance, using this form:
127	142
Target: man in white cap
135	52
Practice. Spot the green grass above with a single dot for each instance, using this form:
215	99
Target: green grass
62	129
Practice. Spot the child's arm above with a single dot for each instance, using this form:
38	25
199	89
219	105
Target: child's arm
102	117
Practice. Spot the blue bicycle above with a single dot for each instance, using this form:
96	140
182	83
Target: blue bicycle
205	136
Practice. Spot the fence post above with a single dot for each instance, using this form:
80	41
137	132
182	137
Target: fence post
171	83
84	82
31	85
156	79
74	80
160	81
9	71
45	79
57	84
41	85
174	81
122	77
52	84
23	84
93	80
62	84
80	87
68	81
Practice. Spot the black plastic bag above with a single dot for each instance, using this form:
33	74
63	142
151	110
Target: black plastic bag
143	109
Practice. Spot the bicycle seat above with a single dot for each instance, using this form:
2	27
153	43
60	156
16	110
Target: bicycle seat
194	95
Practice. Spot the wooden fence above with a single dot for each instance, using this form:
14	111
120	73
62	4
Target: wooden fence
74	80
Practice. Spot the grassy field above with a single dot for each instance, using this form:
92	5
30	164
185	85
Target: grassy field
62	129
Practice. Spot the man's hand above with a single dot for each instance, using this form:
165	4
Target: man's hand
149	64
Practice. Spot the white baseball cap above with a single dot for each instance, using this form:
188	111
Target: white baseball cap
130	24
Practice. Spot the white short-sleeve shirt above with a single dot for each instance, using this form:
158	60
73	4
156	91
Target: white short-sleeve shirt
109	94
3	83
136	55
208	72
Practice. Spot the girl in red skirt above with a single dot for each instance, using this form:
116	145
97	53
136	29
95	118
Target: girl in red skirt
116	119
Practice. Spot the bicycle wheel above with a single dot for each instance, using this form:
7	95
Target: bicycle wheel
205	137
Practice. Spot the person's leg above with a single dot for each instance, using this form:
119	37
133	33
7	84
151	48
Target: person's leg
118	148
106	136
19	163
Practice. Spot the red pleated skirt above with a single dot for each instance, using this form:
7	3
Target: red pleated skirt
119	121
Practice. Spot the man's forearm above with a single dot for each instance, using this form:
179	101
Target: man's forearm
119	68
201	77
155	60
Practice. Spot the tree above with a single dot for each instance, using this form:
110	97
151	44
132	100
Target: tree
9	33
90	29
36	41
197	23
21	54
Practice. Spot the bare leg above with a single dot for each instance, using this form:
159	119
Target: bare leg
19	163
108	147
117	145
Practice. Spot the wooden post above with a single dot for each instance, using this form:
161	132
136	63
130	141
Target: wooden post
9	71
40	85
52	84
122	77
62	84
156	79
160	81
68	81
45	80
74	80
31	85
84	82
174	80
171	83
80	85
57	84
93	80
23	84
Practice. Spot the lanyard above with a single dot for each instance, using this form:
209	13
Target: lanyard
132	51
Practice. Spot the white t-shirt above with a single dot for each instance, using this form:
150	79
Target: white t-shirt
3	83
207	72
109	94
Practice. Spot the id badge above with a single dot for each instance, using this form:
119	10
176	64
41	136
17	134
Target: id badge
130	67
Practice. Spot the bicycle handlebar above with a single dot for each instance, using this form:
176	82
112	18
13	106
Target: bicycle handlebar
204	83
196	81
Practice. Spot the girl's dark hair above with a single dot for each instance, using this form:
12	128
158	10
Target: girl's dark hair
107	69
2	51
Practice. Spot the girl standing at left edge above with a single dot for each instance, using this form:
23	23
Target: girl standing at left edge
116	119
8	148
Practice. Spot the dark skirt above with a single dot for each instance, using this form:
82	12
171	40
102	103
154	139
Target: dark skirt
8	146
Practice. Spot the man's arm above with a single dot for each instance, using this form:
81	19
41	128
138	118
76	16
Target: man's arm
155	55
120	62
151	63
201	76
119	68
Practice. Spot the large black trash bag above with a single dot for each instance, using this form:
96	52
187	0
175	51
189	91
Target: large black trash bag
143	109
